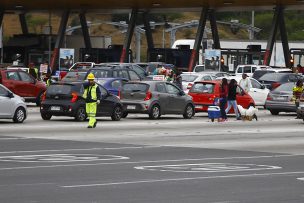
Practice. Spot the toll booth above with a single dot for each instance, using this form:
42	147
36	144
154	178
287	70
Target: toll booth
179	57
231	58
103	55
297	56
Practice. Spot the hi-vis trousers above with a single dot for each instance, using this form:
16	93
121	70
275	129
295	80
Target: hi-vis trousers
91	109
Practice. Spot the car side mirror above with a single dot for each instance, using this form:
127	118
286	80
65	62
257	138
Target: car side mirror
10	95
263	87
181	93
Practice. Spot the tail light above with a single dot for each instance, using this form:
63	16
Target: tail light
269	97
119	94
189	85
275	85
148	96
43	96
74	97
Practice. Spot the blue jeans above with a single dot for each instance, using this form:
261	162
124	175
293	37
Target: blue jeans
234	104
223	102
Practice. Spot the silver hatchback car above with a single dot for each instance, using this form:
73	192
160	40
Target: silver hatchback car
155	98
12	106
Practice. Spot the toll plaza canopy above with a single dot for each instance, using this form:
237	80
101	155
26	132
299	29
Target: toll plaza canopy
147	4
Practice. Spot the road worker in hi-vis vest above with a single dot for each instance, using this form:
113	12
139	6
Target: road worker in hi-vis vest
92	96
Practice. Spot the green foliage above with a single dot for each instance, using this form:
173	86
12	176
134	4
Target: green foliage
36	23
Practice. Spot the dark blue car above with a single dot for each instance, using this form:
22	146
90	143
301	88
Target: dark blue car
113	85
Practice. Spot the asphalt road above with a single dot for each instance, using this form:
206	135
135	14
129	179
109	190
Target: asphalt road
142	160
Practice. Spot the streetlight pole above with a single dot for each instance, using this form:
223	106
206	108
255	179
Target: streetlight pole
251	33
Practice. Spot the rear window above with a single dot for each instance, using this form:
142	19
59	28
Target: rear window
101	73
271	77
74	76
63	89
257	74
135	87
204	88
285	87
189	78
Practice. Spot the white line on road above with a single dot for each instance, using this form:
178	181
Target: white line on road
300	179
86	149
143	162
181	179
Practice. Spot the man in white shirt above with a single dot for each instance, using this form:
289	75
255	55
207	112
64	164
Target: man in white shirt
245	82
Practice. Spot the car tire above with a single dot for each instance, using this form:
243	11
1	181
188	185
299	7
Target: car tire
81	114
117	113
38	99
46	116
124	114
20	115
189	111
274	112
154	112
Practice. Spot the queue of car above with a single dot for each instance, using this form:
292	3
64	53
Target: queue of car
126	89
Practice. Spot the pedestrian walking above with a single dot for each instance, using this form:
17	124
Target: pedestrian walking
92	96
33	71
223	99
245	83
178	80
231	98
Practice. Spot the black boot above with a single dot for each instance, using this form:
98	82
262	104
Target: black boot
94	126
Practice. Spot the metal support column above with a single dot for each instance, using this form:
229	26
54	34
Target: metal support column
273	32
59	40
1	35
214	30
198	38
129	35
23	23
85	30
284	39
147	28
1	16
137	39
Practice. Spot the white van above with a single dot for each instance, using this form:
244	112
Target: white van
249	69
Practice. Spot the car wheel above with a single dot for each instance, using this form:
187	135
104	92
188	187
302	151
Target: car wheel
20	115
38	99
124	114
81	114
189	111
274	112
46	116
154	112
117	113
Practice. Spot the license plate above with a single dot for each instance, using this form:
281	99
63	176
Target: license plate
55	108
131	107
281	98
198	106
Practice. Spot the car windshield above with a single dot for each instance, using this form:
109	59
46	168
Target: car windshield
199	68
62	89
135	87
204	88
74	76
188	78
258	74
286	87
102	81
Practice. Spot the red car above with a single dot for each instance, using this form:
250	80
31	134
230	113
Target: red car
204	94
22	84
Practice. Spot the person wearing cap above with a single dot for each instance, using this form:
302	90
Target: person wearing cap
245	83
92	96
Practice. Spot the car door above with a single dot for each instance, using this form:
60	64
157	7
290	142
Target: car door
162	96
106	104
29	85
176	99
258	92
14	83
7	103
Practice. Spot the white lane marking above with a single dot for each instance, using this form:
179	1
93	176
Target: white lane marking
143	162
87	149
182	179
15	138
61	158
208	167
300	179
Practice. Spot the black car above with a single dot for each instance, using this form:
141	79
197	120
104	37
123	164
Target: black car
65	99
273	80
